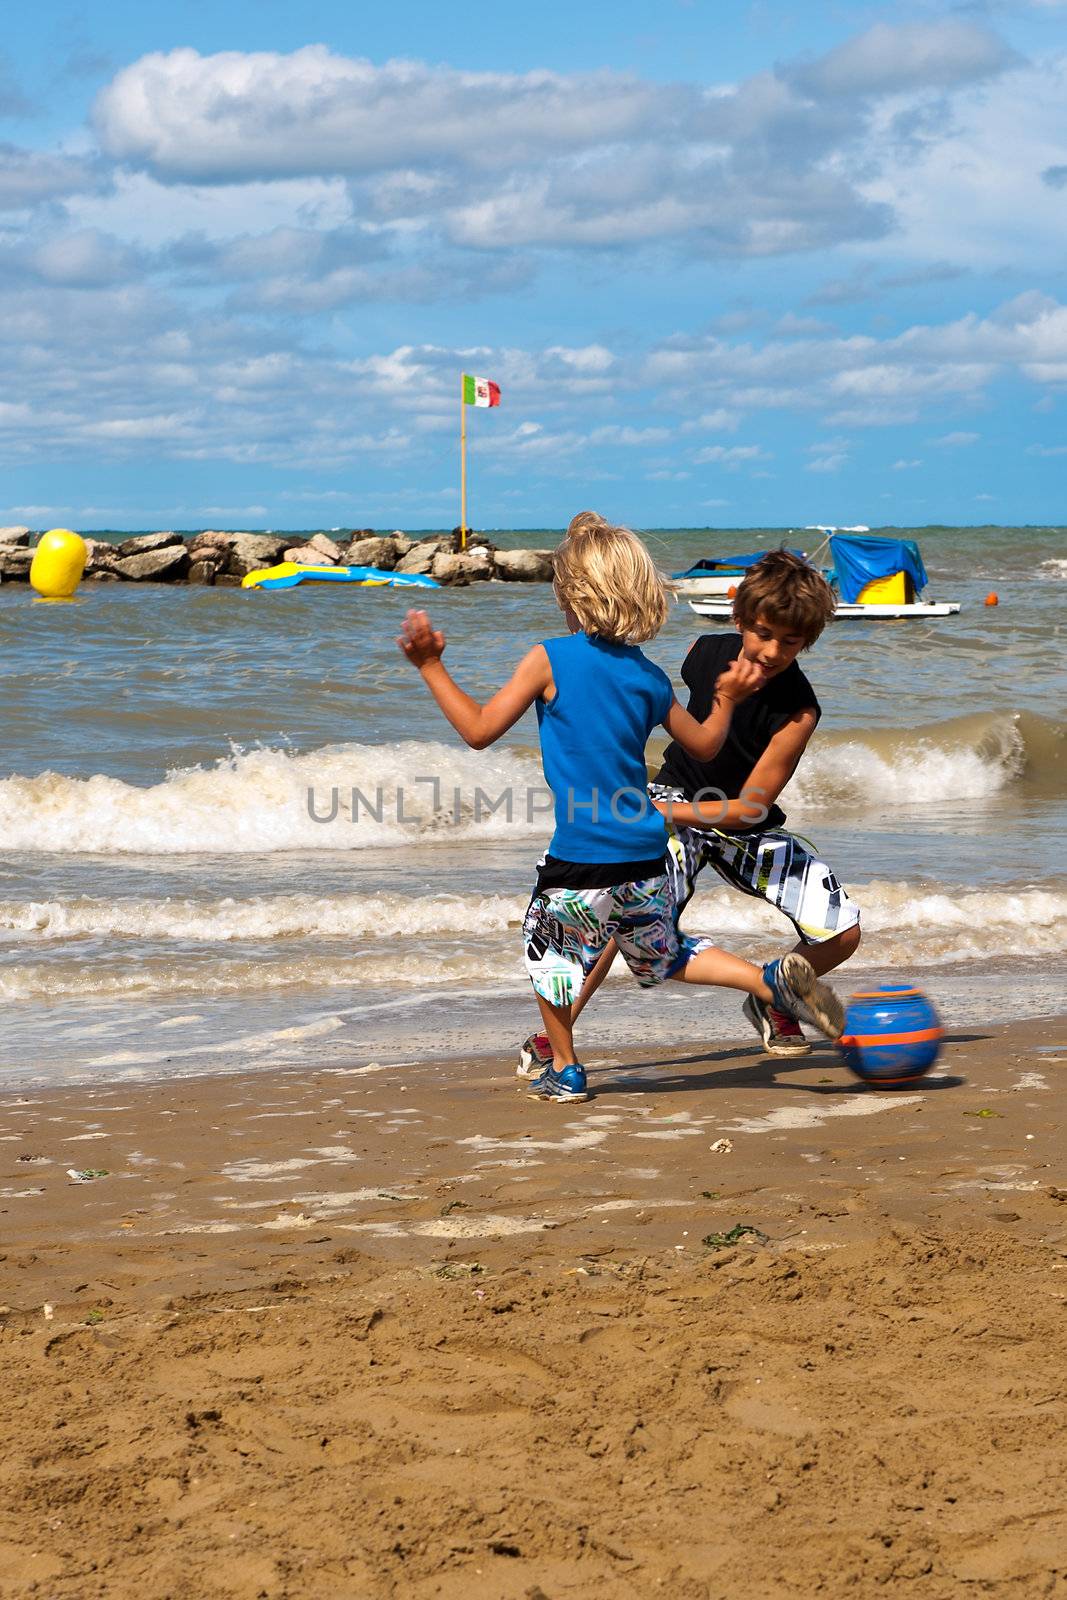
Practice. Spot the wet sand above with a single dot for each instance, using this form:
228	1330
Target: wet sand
400	1331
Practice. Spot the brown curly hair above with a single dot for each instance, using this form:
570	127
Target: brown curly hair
788	592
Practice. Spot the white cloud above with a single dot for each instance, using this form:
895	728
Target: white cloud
720	420
86	259
860	284
793	327
498	160
44	513
589	359
967	187
874	381
323	180
281	251
324	288
28	177
875	414
170	427
730	456
616	200
905	466
956	440
736	321
892	380
129	371
863	283
305	182
223	118
888	59
614	434
137	207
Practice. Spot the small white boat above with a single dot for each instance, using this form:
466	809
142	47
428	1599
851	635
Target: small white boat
711	607
875	579
717	575
713	584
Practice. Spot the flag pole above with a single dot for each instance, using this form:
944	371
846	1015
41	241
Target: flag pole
462	463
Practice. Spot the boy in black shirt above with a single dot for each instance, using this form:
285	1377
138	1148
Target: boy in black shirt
723	813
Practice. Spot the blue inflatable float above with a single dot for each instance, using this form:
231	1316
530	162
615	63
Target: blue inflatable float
287	574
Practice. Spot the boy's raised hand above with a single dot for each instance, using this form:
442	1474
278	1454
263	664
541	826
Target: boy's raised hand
741	679
419	640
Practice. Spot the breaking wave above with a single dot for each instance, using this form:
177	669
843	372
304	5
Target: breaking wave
163	977
340	797
377	797
176	948
350	916
967	758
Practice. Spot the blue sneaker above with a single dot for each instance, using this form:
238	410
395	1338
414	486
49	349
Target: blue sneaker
800	994
567	1084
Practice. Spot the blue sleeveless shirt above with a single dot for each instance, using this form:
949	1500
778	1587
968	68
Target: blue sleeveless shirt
608	699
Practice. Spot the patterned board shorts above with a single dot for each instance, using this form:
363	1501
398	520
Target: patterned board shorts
566	930
774	866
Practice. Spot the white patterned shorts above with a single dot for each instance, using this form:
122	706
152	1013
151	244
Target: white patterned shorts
775	866
566	930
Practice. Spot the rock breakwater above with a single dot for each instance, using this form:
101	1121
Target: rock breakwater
222	559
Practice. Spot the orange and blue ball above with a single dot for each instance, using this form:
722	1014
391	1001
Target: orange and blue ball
892	1035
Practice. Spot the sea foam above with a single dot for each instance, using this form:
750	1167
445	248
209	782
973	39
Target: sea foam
394	941
381	796
339	797
973	757
275	917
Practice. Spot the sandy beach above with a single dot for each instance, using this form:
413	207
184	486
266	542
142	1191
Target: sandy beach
736	1327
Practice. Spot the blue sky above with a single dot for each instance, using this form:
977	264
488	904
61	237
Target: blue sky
731	264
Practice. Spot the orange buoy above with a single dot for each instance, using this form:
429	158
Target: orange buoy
731	593
991	600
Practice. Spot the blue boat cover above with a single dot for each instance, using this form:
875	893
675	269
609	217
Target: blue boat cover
724	564
860	558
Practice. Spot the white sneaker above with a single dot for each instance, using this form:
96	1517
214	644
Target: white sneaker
535	1054
801	994
780	1033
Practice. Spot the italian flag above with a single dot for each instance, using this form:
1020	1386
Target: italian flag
480	392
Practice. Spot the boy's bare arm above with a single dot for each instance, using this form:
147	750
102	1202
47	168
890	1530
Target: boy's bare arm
703	740
762	787
478	725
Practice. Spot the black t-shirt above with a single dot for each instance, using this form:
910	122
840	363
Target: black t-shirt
754	723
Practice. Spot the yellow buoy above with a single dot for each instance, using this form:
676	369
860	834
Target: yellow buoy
58	563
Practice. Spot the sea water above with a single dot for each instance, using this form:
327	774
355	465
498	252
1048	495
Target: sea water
235	831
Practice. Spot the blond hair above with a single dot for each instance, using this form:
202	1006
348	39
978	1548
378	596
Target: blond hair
788	592
606	577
